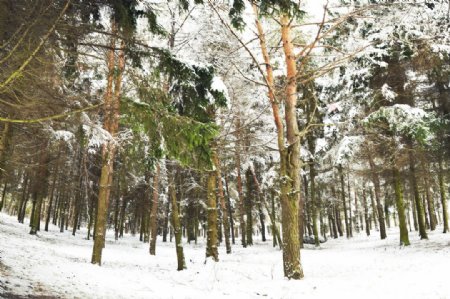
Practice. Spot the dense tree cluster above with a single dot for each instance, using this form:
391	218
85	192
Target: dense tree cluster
225	121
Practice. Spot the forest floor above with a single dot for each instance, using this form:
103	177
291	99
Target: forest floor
57	265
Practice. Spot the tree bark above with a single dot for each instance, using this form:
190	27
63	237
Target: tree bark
443	195
5	143
154	211
430	200
379	207
211	241
79	192
111	124
344	202
366	212
230	212
226	225
350	220
271	213
291	203
415	187
52	191
314	207
5	185
249	207
404	239
24	198
239	183
176	224
40	183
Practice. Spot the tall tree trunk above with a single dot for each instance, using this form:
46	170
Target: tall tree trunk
443	195
166	222
291	202
5	184
226	225
271	213
404	239
350	216
116	216
261	219
63	212
314	206
337	214
40	183
111	124
302	221
211	241
176	223
386	210
374	209
52	190
230	212
79	191
358	216
5	142
366	212
419	206
430	200
249	207
413	208
344	202
24	198
379	207
239	183
154	211
425	212
93	206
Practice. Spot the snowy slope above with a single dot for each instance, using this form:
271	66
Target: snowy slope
55	264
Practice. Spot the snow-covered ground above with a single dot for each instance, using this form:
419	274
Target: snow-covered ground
58	265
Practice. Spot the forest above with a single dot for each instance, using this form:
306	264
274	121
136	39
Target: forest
188	149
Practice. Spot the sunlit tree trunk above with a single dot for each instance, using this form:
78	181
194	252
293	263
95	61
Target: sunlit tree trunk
111	124
289	149
291	203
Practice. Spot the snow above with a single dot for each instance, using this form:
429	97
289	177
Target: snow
404	119
63	135
58	264
388	93
346	149
219	86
